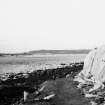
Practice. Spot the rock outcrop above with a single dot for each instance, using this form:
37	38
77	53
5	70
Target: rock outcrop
92	78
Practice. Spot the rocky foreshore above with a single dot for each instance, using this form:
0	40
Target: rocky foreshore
12	86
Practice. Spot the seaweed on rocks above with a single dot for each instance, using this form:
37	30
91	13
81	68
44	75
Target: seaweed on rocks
12	86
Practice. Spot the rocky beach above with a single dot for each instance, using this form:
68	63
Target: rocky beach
44	87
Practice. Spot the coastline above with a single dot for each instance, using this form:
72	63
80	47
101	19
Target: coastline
24	81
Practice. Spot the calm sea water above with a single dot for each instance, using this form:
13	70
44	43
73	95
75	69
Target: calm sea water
36	62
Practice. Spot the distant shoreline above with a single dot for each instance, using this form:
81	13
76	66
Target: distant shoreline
47	52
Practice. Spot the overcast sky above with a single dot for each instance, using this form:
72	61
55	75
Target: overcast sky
51	24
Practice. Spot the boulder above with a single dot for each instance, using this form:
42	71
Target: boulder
94	69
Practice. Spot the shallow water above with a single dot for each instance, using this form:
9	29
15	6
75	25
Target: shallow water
36	62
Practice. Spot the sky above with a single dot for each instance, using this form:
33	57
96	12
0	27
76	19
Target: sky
51	24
